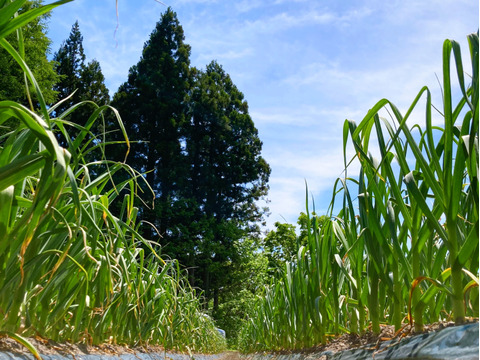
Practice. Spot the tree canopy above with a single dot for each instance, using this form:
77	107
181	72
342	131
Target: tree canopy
193	137
85	81
37	49
227	173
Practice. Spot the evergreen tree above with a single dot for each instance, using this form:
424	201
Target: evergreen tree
70	60
92	85
193	137
86	80
227	174
37	47
152	106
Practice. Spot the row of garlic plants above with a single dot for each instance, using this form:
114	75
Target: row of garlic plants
71	268
404	246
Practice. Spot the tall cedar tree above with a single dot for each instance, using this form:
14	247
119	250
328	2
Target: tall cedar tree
152	107
37	48
192	135
86	80
227	174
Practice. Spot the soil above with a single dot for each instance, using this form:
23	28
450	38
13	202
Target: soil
387	332
343	342
49	347
350	341
230	355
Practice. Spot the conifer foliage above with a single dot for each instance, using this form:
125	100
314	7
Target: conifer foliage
152	104
36	48
193	137
227	174
85	81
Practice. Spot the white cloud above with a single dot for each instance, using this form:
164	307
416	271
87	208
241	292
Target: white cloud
286	20
293	170
190	2
359	89
279	2
307	118
218	55
243	6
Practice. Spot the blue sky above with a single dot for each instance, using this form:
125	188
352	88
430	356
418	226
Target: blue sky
303	66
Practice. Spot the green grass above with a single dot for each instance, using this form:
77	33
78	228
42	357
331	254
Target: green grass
409	215
71	268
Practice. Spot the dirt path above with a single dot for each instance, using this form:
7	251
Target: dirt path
230	355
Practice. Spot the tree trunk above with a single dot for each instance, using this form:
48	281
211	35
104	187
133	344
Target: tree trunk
207	288
215	300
